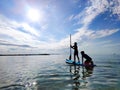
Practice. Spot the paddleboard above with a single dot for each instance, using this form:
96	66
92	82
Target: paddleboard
77	63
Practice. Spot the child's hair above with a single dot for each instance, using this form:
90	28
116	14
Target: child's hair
75	43
82	52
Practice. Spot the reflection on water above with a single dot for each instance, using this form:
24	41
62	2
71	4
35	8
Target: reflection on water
79	75
52	73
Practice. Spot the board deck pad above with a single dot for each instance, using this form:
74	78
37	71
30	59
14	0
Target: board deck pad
76	63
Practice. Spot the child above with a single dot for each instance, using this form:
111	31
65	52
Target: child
88	61
75	52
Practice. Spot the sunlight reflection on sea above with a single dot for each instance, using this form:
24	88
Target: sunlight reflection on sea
52	73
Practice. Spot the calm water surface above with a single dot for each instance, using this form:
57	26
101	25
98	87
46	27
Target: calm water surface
52	73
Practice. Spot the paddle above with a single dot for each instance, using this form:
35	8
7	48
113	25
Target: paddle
70	49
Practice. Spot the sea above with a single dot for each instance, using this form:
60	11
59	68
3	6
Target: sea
50	72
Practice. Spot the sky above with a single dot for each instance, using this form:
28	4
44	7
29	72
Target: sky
44	26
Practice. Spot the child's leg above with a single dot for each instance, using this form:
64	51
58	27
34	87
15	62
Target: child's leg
74	58
78	58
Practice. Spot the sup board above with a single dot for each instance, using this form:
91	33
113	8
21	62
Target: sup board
77	63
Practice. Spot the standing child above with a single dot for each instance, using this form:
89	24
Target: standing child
75	47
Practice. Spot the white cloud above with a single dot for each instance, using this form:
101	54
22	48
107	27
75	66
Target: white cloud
91	34
102	33
8	28
30	29
71	17
115	7
7	23
18	39
89	13
84	35
96	7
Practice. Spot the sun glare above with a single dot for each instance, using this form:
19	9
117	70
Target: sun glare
33	15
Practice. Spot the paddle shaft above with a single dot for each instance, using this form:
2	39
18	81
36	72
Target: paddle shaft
70	48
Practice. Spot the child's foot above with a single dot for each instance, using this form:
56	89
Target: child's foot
74	62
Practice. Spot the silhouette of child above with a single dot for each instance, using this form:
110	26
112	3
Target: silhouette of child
75	47
88	61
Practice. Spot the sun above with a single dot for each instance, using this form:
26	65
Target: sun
33	15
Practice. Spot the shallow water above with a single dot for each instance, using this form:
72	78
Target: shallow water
52	73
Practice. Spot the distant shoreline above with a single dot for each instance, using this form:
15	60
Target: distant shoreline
22	54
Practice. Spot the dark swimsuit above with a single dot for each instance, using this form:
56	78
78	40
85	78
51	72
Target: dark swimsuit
76	50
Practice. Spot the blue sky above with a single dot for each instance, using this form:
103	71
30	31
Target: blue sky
38	26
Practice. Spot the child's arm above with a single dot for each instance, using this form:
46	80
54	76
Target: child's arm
72	46
82	59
